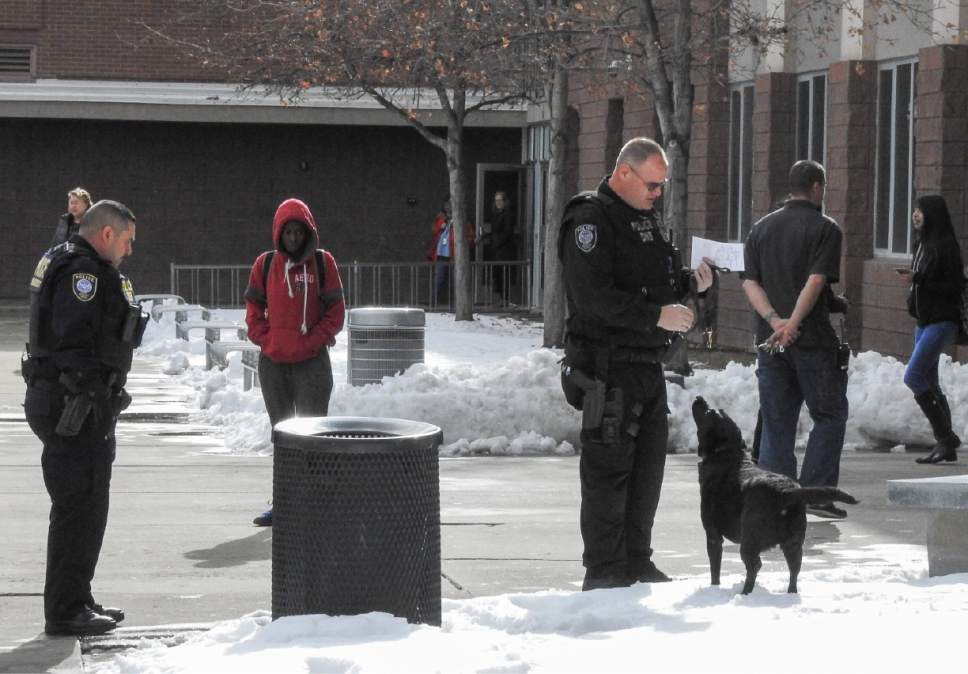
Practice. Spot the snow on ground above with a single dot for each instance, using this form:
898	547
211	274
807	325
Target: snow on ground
493	390
860	617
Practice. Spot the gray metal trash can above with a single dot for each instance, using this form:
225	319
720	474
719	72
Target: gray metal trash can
356	517
382	342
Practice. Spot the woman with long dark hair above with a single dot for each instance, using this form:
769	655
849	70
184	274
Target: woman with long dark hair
937	279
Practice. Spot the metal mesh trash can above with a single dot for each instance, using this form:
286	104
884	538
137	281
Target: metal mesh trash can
356	517
382	342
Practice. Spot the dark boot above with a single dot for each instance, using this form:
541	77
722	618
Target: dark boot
935	408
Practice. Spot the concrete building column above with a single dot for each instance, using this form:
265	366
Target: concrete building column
774	139
941	134
851	161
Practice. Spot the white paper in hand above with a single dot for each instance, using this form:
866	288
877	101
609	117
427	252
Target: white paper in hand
728	255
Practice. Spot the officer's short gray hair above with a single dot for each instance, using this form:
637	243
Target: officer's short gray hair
638	150
106	213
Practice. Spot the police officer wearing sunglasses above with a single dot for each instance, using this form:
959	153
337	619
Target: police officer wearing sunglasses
624	282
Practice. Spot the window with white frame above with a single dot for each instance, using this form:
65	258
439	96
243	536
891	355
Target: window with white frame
811	117
896	96
740	162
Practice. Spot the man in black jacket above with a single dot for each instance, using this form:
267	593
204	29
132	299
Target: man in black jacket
84	327
791	256
624	281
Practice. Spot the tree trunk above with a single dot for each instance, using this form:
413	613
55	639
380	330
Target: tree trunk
553	302
463	306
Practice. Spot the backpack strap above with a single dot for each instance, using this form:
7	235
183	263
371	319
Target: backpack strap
266	263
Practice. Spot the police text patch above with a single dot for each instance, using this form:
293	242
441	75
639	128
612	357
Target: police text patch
84	286
586	236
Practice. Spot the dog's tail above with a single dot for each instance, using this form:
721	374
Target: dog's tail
818	495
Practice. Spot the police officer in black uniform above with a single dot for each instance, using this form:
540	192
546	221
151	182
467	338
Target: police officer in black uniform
84	326
624	281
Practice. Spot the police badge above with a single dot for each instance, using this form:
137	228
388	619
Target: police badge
85	286
586	236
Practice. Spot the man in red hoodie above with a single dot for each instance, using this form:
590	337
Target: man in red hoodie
294	308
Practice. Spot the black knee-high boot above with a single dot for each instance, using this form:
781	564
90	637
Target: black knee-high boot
935	408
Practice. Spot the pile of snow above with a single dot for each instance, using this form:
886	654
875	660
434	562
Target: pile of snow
493	390
857	618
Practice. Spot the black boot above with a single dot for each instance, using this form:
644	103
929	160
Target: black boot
935	408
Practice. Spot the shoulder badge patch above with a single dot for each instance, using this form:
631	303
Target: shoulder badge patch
586	237
39	271
127	289
84	286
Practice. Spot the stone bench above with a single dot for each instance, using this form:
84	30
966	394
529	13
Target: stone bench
947	538
158	298
181	311
250	368
217	352
211	328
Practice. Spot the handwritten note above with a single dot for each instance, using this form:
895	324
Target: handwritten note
728	255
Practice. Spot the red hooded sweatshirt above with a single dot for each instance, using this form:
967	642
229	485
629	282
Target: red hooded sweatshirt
289	318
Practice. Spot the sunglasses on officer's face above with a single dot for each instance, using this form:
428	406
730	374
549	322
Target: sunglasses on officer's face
650	186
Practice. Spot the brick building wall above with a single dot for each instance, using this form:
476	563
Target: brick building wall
206	193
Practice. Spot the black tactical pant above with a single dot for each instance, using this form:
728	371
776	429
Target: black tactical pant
77	474
620	483
296	389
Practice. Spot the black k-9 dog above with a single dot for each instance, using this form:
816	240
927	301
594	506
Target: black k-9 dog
752	507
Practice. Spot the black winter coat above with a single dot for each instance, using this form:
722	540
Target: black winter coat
937	283
616	283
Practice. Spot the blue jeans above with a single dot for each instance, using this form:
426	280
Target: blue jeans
787	380
921	374
441	280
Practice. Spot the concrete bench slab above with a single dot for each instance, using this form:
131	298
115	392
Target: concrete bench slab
217	352
250	368
180	310
947	538
183	328
158	298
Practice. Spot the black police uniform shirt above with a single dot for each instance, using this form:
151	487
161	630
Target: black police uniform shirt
782	250
619	270
79	303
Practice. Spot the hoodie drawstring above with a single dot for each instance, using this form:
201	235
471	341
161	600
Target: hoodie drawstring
302	328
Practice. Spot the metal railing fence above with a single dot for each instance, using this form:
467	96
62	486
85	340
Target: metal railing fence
496	286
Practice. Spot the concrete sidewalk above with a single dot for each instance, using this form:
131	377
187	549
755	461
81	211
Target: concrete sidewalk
180	547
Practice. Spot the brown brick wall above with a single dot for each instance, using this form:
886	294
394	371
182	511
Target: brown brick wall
205	193
851	159
774	135
103	39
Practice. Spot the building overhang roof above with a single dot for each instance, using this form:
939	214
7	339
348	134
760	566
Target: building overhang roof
226	103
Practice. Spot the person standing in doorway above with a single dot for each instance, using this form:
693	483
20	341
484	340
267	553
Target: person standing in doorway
500	244
937	280
294	309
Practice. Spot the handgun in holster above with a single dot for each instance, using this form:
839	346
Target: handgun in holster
135	322
601	412
78	406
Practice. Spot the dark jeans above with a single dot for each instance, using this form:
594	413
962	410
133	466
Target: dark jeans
921	373
441	280
621	483
787	380
296	389
77	474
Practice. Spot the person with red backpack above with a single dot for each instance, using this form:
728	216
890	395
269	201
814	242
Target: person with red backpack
294	309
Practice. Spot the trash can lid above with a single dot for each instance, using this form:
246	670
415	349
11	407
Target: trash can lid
362	433
387	317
